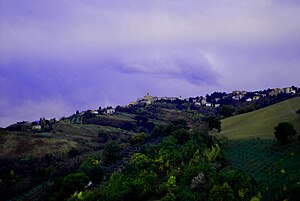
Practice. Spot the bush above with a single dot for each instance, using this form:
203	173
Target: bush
181	135
220	193
111	152
74	182
283	131
214	122
92	168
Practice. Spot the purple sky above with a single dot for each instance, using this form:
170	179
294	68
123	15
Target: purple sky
59	56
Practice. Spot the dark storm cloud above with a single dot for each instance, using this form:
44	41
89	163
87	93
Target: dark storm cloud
57	56
185	64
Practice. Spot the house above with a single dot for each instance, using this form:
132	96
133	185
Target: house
278	91
203	101
244	93
94	112
287	90
273	93
148	98
198	103
36	127
132	103
237	97
236	92
256	97
208	104
248	99
217	105
110	111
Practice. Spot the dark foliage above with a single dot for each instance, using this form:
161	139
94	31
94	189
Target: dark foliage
283	131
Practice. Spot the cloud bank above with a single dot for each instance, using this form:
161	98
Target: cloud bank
69	55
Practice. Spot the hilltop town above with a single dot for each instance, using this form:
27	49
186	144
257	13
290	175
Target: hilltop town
218	99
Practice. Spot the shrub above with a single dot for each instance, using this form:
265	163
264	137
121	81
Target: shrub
111	152
283	131
74	182
220	193
92	168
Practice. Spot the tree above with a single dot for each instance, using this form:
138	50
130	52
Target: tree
226	110
182	135
111	152
92	168
214	122
283	131
74	182
221	193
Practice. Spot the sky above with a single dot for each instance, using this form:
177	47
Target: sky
59	56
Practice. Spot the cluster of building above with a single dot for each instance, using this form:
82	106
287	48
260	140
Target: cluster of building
148	99
217	99
108	110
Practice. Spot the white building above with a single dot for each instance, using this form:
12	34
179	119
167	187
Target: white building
36	127
110	111
208	104
197	103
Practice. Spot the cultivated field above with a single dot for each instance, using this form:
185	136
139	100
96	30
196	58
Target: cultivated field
260	123
253	148
275	167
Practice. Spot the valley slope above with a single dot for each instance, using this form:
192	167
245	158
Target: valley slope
260	123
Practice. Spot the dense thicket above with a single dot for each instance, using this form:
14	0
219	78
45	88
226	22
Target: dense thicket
187	165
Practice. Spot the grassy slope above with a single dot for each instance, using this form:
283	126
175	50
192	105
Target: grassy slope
260	123
264	159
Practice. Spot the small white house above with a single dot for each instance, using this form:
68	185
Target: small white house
217	105
256	97
208	104
248	99
110	111
94	112
287	90
197	103
36	127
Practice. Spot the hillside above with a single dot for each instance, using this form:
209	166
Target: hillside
253	148
173	140
260	123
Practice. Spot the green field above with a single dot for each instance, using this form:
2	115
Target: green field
260	123
253	148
